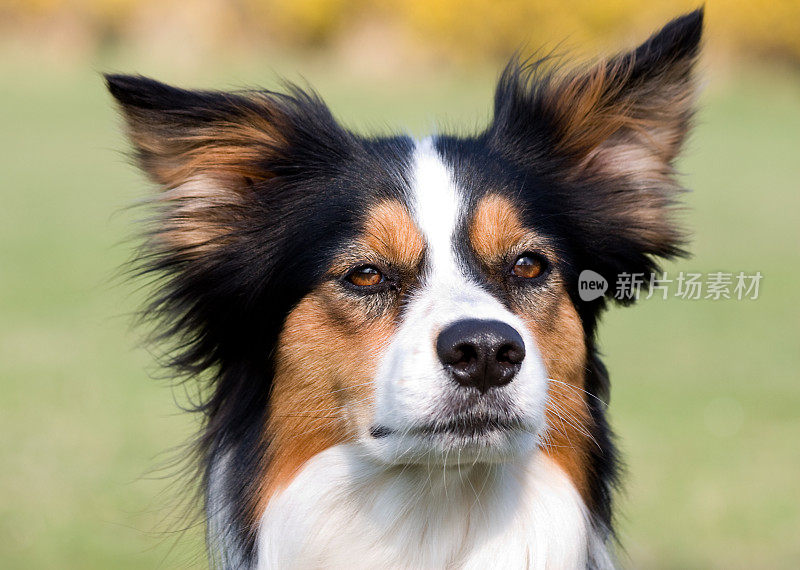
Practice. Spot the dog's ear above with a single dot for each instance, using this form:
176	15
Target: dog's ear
179	135
610	133
212	151
235	171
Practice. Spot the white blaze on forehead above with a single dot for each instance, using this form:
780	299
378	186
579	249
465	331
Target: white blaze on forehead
436	206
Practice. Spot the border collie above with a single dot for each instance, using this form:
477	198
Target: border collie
398	369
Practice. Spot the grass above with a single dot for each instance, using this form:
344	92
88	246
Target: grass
705	393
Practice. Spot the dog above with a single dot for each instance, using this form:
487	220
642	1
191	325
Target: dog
398	369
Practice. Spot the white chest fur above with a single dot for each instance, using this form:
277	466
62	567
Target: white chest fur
343	511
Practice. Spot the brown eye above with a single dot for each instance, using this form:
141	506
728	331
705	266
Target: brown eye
365	276
528	266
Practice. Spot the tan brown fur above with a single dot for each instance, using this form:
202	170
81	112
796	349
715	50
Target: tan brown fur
322	395
205	170
602	107
495	229
585	109
392	234
230	147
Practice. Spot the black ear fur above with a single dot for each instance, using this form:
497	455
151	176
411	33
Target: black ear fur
137	91
679	40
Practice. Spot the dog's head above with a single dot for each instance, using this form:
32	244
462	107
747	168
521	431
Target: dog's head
417	298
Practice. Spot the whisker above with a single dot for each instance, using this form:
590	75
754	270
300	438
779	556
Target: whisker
578	388
574	422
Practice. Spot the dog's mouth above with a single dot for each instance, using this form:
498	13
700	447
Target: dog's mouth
456	438
466	427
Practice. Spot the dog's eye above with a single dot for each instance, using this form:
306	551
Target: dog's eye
529	266
365	276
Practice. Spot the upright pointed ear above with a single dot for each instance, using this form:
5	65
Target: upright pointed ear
179	134
212	151
629	115
611	133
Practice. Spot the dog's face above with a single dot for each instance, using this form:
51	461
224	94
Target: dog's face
418	298
438	322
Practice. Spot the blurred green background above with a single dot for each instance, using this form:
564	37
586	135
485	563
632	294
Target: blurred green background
706	394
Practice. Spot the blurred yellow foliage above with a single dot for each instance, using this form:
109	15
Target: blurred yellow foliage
462	29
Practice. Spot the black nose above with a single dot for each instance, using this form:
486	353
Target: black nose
480	353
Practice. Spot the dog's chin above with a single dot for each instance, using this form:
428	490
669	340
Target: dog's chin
466	440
